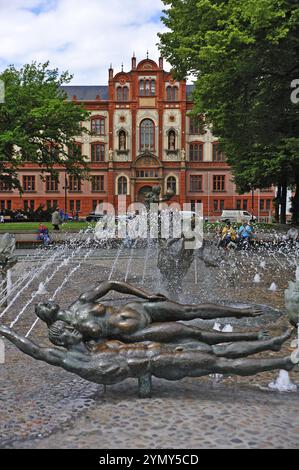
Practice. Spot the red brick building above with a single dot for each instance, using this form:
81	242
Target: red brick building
142	135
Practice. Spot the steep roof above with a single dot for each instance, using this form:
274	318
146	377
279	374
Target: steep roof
86	93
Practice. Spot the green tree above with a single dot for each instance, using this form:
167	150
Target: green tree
38	123
244	56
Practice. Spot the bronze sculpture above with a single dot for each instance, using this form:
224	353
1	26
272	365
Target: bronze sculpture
112	361
155	319
107	344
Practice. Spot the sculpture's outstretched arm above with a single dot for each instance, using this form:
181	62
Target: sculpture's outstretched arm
122	287
52	356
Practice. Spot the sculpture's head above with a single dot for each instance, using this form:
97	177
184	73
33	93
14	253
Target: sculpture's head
47	311
62	334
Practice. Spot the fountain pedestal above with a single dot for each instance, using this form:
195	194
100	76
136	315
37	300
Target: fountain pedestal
145	386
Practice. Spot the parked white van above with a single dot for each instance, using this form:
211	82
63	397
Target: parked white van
237	216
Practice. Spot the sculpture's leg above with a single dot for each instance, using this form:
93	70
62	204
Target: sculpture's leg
246	367
170	311
173	332
244	349
145	386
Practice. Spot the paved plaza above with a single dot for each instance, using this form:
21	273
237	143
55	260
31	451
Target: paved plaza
45	407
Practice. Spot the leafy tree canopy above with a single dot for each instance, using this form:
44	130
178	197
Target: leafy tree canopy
244	56
38	123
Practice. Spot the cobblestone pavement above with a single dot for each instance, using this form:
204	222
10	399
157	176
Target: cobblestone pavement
45	407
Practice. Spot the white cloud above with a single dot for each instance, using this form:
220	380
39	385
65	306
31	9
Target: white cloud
82	36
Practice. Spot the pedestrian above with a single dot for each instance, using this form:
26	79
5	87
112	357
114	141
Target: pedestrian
56	219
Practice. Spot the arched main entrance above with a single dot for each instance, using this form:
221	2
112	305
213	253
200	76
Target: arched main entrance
142	192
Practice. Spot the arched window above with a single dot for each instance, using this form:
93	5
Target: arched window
122	140
172	93
126	93
119	93
122	93
171	140
171	184
147	87
122	185
196	152
218	155
98	125
147	135
175	93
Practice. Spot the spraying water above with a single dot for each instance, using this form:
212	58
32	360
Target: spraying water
273	287
283	383
257	279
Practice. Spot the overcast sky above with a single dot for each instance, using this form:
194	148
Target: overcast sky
82	36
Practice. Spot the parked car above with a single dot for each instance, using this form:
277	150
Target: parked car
93	217
237	216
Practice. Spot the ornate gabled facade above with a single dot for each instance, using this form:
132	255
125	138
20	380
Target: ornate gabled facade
142	135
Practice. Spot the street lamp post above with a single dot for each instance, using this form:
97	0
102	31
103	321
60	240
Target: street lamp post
252	201
66	187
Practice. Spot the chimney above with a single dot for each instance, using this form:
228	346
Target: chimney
110	72
133	62
161	63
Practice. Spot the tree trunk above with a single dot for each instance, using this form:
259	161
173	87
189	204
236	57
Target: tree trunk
284	192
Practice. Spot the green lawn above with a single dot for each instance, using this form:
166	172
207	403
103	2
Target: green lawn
33	226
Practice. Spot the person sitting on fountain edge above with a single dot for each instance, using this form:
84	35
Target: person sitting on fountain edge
154	319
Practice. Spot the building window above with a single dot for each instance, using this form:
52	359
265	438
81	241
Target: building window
122	185
265	204
195	204
195	127
74	183
122	93
95	204
29	183
238	204
172	93
29	205
122	140
196	183
218	155
51	183
218	183
5	186
147	135
218	205
75	206
5	205
147	87
52	204
196	152
97	183
97	152
75	150
98	126
171	184
171	140
245	204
